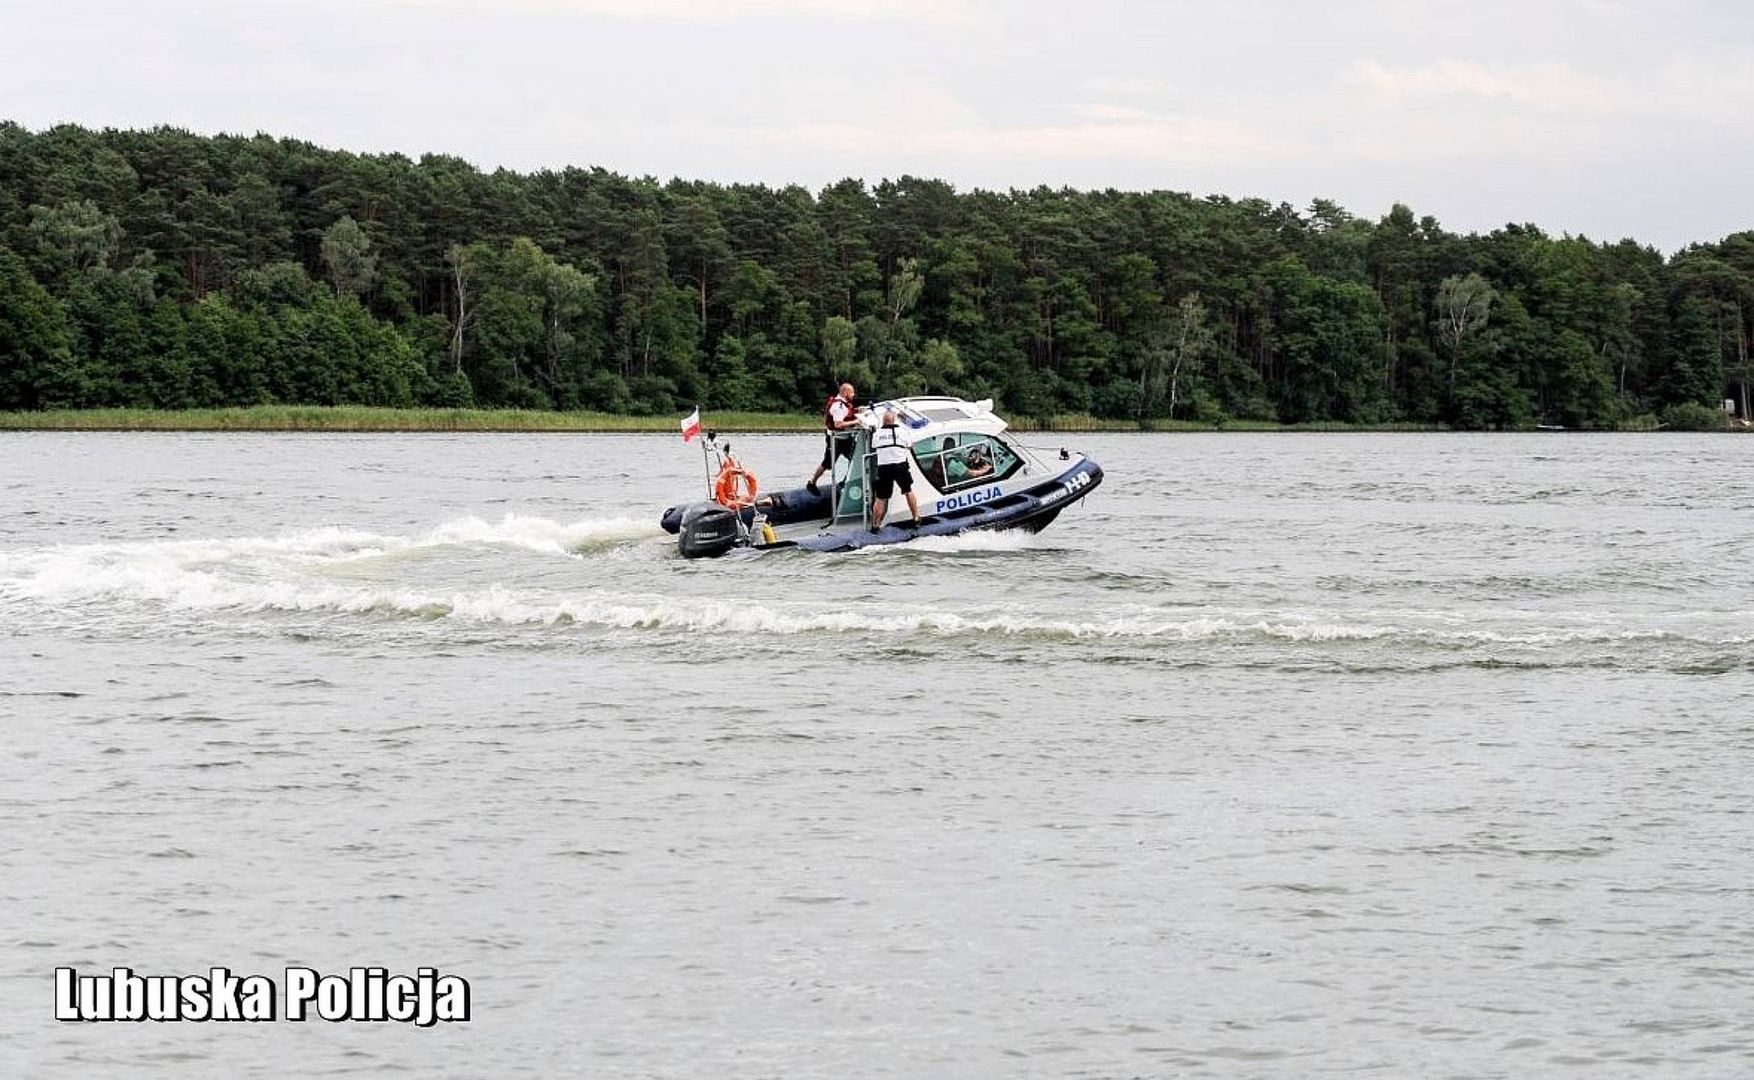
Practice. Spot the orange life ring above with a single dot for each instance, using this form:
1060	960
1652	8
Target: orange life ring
736	486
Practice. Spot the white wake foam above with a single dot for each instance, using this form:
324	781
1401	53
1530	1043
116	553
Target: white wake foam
309	572
981	540
162	583
258	573
333	544
541	534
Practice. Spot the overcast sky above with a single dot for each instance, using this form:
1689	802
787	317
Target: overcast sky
1603	117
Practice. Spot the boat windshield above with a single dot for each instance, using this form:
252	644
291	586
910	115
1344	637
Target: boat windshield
952	462
851	491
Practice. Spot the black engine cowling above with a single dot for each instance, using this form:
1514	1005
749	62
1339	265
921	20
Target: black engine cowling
707	530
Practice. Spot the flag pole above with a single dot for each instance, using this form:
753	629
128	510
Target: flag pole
706	462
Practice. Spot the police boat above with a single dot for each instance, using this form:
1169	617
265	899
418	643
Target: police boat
968	473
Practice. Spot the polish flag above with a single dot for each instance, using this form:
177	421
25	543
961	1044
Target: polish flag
691	424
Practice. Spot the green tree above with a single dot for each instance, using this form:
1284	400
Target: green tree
1694	357
1177	355
1464	306
34	347
348	255
1329	336
732	385
73	238
940	366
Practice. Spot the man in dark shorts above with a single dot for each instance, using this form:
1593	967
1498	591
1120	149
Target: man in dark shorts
889	443
837	416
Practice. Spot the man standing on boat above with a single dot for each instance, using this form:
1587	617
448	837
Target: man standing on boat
890	446
837	416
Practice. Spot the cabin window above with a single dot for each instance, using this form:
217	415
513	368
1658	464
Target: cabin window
953	462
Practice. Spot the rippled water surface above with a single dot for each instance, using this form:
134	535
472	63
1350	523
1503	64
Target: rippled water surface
1281	755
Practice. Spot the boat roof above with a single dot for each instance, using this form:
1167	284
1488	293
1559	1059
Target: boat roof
934	415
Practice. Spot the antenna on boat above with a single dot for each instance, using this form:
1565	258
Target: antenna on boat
706	458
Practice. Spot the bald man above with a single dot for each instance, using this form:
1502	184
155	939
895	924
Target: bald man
837	416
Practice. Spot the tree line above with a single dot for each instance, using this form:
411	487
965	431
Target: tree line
162	269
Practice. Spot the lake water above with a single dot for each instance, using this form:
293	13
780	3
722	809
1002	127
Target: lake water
1281	755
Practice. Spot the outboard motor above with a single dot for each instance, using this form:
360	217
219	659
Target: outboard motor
707	530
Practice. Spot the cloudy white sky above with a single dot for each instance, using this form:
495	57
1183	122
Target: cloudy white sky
1609	118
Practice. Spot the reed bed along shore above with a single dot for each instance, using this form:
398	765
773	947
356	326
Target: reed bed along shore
364	418
361	418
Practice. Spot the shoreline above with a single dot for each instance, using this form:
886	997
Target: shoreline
367	420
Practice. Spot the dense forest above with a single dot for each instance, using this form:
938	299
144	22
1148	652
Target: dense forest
162	269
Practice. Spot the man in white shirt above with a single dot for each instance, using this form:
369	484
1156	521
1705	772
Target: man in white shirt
889	443
837	416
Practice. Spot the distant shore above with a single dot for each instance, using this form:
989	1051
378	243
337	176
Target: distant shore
363	419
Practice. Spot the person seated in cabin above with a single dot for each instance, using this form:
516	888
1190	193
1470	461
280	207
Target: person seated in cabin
970	463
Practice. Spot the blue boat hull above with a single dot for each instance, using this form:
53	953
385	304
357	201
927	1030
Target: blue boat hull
1033	508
